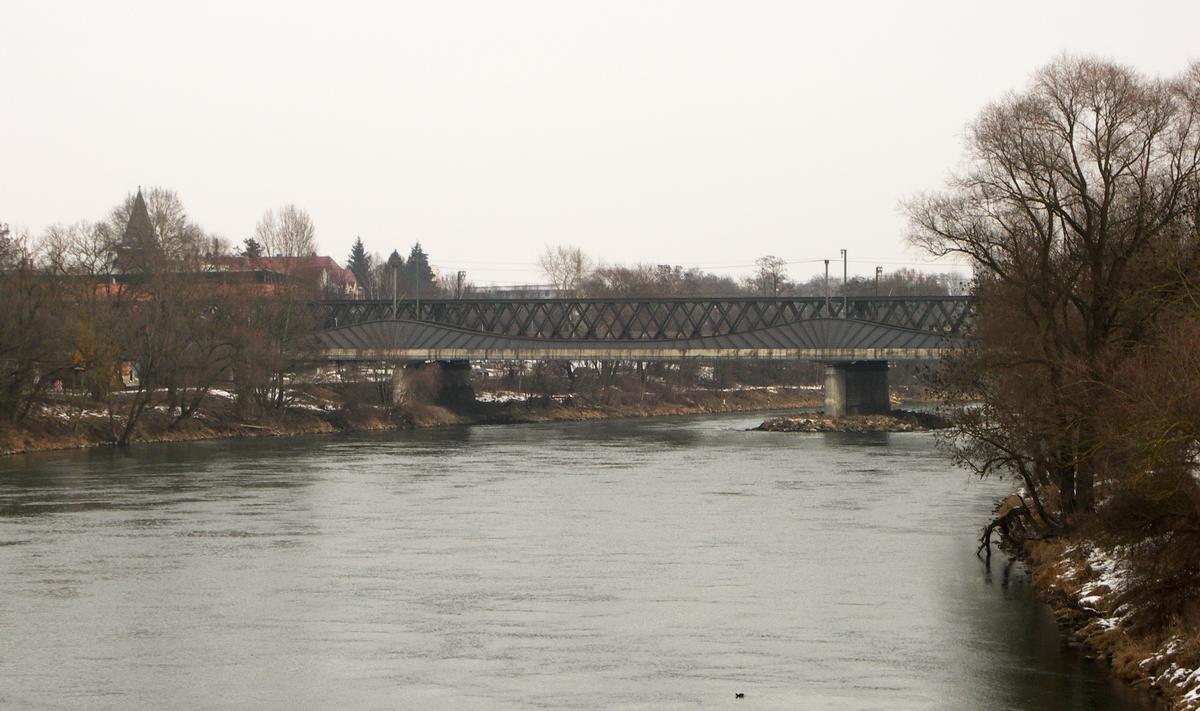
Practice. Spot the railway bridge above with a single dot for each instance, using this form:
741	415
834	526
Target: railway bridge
854	337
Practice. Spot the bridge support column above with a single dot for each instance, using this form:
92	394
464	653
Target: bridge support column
455	383
857	388
443	382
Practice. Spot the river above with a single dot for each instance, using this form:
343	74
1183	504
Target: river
635	564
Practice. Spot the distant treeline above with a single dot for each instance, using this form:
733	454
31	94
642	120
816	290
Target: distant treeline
572	271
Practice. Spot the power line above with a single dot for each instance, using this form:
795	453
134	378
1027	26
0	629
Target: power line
513	267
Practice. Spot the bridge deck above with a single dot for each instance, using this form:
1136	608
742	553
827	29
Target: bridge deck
645	329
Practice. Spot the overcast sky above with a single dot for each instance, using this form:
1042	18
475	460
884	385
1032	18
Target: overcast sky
696	133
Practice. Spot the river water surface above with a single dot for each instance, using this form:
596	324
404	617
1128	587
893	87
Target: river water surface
641	564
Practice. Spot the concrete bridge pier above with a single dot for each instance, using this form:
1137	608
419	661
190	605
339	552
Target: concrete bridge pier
455	386
442	382
857	388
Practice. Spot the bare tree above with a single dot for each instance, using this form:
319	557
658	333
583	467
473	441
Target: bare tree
565	267
770	276
7	244
286	232
80	248
31	344
897	282
1073	193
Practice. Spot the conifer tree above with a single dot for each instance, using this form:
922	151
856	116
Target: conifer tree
251	248
359	264
421	278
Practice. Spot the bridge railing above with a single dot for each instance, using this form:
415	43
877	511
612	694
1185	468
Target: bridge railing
653	318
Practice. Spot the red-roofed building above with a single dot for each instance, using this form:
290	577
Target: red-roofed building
332	278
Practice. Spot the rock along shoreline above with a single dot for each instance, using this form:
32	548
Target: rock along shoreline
895	421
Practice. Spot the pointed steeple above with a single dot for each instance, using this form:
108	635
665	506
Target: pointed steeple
139	247
139	231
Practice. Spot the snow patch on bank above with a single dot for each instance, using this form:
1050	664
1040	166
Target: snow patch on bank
1186	680
503	396
69	413
1101	583
765	388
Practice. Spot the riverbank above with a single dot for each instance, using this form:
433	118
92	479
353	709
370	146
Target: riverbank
1088	585
327	410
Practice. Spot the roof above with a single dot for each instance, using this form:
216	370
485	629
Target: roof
336	273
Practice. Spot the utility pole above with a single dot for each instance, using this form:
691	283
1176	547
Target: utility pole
458	284
827	313
845	285
394	263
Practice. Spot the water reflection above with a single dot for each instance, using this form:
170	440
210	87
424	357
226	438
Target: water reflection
634	564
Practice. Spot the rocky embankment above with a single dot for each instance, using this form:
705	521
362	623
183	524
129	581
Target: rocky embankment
895	421
1087	585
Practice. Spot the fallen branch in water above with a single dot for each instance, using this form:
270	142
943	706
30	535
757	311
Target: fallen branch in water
1003	522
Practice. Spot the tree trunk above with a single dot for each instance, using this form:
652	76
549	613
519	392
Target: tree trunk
570	371
1085	486
1065	471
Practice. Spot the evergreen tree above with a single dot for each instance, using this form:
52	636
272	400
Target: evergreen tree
251	248
359	264
421	279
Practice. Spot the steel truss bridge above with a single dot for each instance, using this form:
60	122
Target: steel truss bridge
833	330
